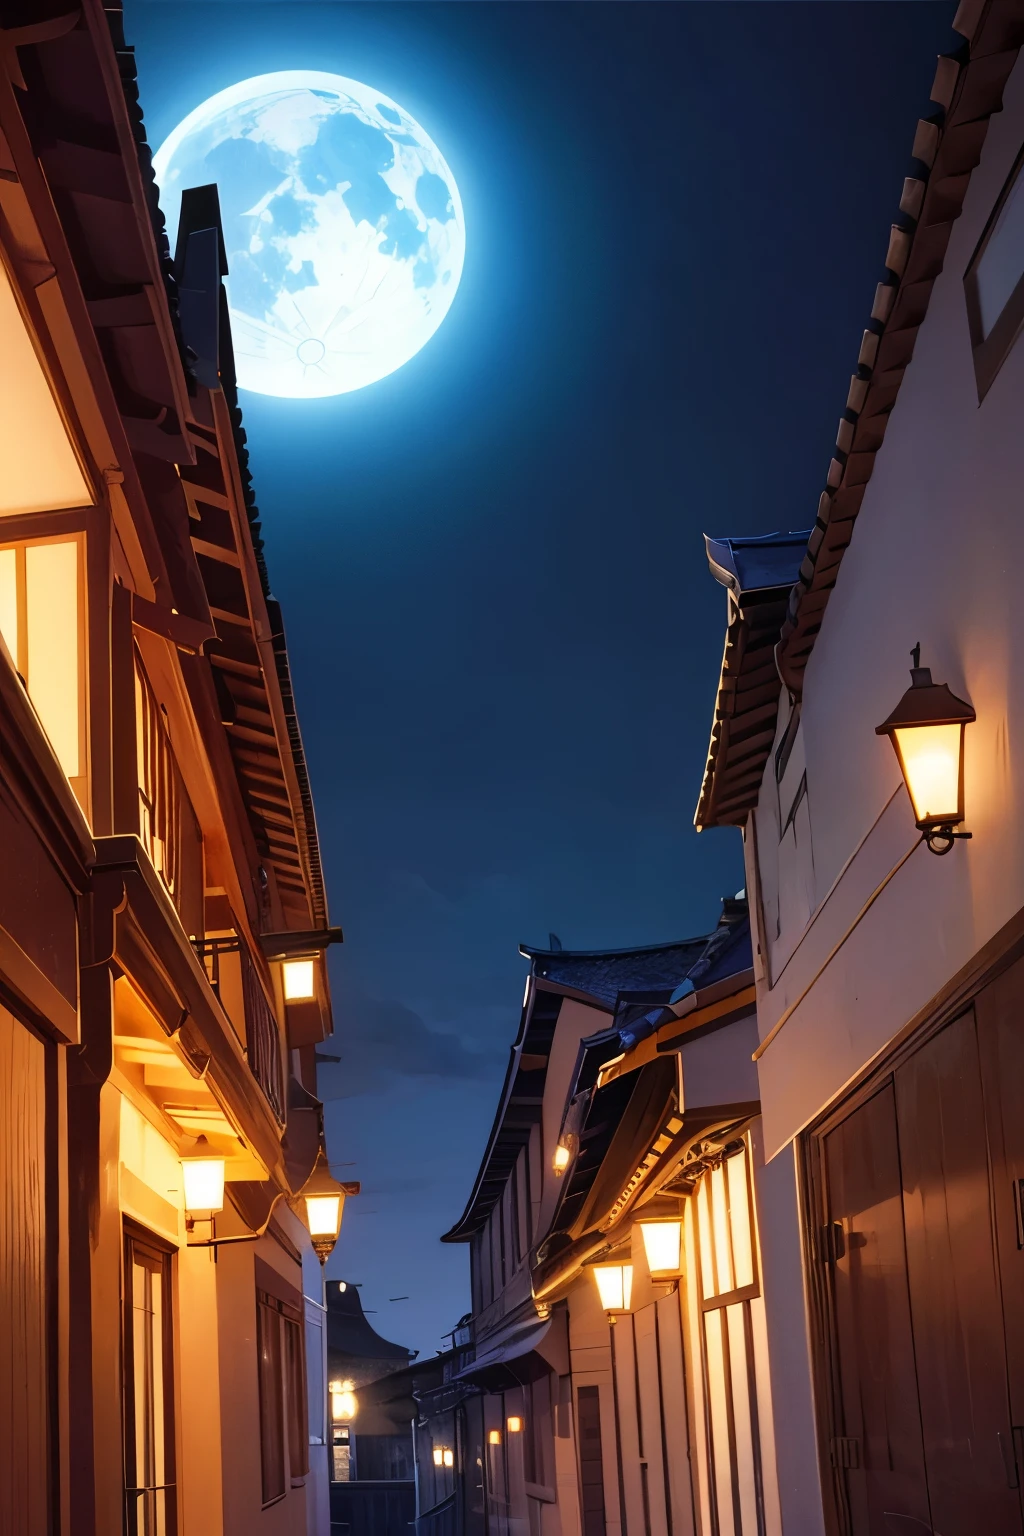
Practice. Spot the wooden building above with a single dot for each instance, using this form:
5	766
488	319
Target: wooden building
614	1380
162	908
890	982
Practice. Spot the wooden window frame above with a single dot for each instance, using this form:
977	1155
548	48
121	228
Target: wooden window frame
990	352
720	1302
136	1238
19	534
289	1386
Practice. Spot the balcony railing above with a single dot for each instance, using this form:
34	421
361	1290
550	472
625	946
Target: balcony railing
168	828
262	1036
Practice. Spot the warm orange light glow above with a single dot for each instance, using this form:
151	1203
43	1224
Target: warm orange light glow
40	470
614	1285
514	1424
299	983
438	1455
343	1401
9	601
494	1437
930	758
739	1216
560	1161
204	1179
720	1221
662	1241
40	624
323	1215
449	1457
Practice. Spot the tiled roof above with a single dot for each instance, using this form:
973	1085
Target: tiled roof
758	575
947	146
631	985
603	974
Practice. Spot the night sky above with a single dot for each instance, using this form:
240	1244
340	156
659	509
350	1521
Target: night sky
503	633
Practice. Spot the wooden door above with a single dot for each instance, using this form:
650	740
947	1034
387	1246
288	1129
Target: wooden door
954	1287
1000	1016
879	1440
25	1342
924	1439
150	1496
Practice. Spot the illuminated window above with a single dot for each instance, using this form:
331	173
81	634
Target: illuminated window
41	621
994	282
732	1338
40	470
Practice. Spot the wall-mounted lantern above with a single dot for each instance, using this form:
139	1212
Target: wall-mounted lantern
927	733
614	1286
324	1201
299	978
662	1245
344	1406
562	1158
203	1176
318	1206
448	1457
494	1437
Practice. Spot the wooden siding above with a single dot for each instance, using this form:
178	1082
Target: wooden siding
24	1410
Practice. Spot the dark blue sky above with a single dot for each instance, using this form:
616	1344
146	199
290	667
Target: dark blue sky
504	636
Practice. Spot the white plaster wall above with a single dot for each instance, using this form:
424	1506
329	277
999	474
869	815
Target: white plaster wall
937	556
717	1067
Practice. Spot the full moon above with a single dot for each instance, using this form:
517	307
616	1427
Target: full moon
343	225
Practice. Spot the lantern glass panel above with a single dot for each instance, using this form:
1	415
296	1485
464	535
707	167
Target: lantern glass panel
930	758
323	1215
204	1184
299	985
614	1286
661	1245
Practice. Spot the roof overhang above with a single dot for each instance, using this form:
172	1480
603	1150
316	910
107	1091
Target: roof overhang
758	575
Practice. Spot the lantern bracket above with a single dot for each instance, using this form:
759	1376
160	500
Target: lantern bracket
940	839
241	1237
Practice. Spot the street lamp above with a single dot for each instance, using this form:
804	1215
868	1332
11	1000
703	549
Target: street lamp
927	733
614	1286
662	1243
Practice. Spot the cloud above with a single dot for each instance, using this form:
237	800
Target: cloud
381	1039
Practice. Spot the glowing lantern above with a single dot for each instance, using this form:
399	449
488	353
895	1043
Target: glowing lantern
614	1286
203	1174
662	1240
299	981
927	733
324	1201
